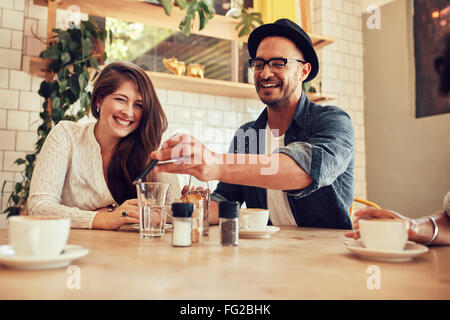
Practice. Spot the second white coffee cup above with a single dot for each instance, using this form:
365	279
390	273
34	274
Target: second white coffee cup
383	234
253	219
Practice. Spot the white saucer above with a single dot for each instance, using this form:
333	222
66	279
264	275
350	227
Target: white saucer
9	259
266	232
410	251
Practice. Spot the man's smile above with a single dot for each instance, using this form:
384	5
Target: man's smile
268	84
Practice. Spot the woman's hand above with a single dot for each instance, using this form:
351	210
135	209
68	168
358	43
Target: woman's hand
374	213
115	219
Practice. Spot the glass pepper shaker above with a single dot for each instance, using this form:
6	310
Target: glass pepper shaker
182	224
229	222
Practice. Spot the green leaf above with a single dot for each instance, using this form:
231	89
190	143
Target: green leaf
19	161
39	143
64	39
30	158
15	198
12	211
245	30
84	100
18	187
167	6
45	89
71	96
73	46
94	62
181	4
209	10
102	35
56	103
110	36
65	58
57	115
74	85
86	46
29	172
55	65
185	26
63	84
248	22
52	52
202	18
83	81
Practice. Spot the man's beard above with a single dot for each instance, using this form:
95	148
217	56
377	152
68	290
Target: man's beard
277	103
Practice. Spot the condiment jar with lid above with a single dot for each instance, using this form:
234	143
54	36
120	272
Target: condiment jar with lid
229	222
182	224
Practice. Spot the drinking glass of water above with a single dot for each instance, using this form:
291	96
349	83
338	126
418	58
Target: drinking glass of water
152	208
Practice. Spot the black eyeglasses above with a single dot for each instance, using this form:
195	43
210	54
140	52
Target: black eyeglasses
276	65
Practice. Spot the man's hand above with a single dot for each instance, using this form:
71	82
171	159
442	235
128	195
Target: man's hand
192	156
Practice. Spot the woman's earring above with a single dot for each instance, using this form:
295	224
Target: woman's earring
98	109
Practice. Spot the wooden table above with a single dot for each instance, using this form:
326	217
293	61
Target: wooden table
295	263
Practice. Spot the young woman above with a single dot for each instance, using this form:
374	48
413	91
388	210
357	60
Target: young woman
86	171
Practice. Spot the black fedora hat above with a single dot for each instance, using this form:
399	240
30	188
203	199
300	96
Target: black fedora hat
288	29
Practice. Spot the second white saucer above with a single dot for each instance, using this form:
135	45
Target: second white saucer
410	251
266	232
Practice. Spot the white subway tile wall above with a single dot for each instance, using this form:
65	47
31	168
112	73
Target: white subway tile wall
211	118
12	19
341	69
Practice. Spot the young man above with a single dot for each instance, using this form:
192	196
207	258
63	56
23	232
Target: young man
297	158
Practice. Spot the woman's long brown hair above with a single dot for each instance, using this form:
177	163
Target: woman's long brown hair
132	153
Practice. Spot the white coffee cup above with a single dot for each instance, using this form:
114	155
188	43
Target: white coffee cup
383	234
253	219
38	236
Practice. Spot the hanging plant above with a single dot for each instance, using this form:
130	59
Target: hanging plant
74	57
248	20
202	7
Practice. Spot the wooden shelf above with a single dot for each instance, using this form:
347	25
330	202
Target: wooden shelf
153	15
188	84
38	66
205	86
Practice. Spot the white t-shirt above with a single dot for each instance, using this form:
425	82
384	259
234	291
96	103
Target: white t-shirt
277	202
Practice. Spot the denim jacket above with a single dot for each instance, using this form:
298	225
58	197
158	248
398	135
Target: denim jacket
320	139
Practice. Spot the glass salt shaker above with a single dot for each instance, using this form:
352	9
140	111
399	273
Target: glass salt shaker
199	194
229	222
182	224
